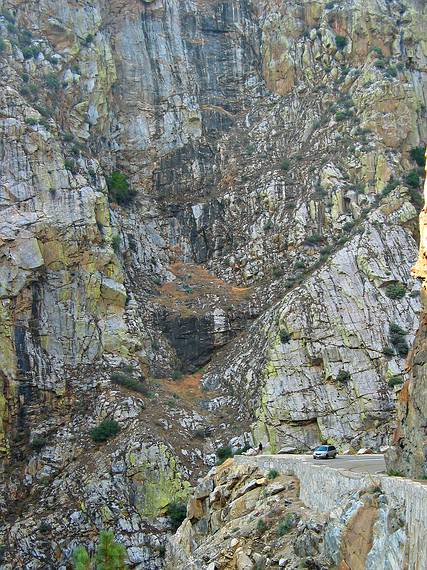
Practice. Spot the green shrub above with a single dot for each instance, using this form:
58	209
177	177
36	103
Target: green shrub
119	188
115	243
285	164
128	382
52	82
31	121
261	526
199	433
340	42
343	376
88	40
394	473
390	186
417	197
38	442
177	512
45	527
327	250
2	45
417	154
395	380
391	71
397	330
285	337
68	137
381	63
299	264
378	52
30	52
402	348
313	239
272	474
277	271
388	351
105	430
412	179
286	524
70	165
329	5
176	375
395	290
223	453
348	226
341	115
397	339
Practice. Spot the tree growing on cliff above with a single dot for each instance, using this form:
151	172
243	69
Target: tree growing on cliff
119	188
109	555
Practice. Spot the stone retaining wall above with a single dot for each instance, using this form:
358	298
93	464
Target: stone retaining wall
323	489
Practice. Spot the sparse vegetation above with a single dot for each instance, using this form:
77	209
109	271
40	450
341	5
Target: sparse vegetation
122	379
397	339
52	82
343	376
388	351
394	473
395	290
277	271
272	474
286	524
314	239
377	51
395	380
285	165
390	186
261	526
115	243
70	165
348	226
412	179
105	430
285	337
177	512
223	453
38	442
119	189
417	154
340	42
343	115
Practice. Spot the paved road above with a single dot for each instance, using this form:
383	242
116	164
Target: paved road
355	463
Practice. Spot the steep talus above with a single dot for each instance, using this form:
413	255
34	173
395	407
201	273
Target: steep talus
255	281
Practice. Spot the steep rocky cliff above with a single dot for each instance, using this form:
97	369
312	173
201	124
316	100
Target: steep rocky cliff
408	456
217	201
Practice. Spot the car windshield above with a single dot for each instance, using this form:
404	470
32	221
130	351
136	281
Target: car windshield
322	448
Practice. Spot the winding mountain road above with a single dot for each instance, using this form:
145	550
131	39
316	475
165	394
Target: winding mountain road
355	463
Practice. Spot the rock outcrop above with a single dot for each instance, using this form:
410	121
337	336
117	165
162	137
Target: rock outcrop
409	454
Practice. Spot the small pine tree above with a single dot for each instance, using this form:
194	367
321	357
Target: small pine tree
110	555
81	559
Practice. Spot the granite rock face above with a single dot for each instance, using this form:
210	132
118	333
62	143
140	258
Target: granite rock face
268	145
408	455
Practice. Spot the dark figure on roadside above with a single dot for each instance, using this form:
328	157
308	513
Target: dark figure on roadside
260	448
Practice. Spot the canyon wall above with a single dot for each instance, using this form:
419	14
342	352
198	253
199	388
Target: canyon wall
253	281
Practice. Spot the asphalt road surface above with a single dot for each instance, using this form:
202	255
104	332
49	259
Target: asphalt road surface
355	463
